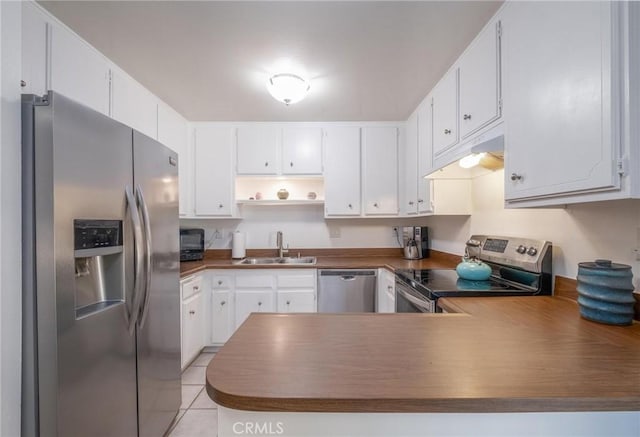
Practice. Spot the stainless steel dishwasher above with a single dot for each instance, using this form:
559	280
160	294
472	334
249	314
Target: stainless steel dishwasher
347	291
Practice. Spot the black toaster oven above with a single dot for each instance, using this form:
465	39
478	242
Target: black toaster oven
191	244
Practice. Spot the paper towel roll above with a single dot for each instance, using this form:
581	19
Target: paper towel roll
238	250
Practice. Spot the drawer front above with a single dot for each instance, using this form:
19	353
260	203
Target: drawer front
254	281
221	282
307	280
296	302
191	287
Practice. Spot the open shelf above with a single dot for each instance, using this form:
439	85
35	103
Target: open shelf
273	202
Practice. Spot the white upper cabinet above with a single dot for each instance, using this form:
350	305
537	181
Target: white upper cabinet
302	151
380	170
445	113
173	133
78	71
425	155
35	31
133	105
559	88
213	165
257	149
479	76
410	170
342	171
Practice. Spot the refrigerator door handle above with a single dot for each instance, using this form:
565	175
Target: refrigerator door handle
139	260
147	241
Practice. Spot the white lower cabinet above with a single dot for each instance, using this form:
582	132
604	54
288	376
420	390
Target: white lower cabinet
192	319
252	301
235	294
296	291
386	295
222	308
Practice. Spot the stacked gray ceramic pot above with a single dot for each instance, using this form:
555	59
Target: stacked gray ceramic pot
605	292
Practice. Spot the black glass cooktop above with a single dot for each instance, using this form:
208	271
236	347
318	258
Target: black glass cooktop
446	282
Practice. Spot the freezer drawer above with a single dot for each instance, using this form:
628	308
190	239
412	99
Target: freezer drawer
347	291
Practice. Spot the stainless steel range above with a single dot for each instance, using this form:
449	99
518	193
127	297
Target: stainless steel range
519	267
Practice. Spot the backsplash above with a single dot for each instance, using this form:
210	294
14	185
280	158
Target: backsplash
580	232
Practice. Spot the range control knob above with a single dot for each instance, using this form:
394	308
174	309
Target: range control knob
532	251
521	249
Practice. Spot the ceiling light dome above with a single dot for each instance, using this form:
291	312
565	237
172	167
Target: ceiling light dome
288	88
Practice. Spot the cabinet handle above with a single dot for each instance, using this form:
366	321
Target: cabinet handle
221	206
259	304
219	282
447	131
420	201
266	164
389	287
516	177
288	302
196	288
411	203
375	204
466	117
291	164
350	206
192	312
23	83
223	303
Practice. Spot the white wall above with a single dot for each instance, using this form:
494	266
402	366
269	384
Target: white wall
581	232
10	228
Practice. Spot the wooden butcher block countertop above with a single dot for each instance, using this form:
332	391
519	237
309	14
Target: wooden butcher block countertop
501	354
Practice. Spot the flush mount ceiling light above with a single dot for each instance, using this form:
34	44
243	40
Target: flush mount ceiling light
288	88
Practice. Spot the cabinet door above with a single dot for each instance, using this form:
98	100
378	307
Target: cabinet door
380	168
342	171
192	326
257	148
480	81
302	150
296	301
34	49
425	156
558	95
248	302
173	133
445	113
410	170
133	105
221	316
78	71
385	292
213	170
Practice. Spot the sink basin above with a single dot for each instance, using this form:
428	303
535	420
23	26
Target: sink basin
310	260
295	260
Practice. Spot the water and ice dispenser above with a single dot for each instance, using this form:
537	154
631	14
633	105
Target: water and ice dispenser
99	265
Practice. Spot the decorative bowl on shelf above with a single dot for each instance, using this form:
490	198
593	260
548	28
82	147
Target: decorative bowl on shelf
283	194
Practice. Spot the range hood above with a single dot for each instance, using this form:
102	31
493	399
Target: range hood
485	154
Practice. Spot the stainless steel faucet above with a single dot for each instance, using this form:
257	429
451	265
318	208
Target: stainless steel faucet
281	250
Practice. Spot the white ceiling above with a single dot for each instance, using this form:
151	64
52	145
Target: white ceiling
210	60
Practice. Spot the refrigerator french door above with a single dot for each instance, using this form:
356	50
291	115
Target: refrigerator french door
100	266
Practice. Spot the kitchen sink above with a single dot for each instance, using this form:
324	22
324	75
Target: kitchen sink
309	260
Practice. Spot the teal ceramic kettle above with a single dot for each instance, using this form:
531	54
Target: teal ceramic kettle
471	268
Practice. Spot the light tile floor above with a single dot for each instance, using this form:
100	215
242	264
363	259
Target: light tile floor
198	416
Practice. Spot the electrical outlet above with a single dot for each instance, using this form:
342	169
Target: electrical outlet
334	231
217	235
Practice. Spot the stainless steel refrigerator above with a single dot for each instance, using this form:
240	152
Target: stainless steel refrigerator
101	330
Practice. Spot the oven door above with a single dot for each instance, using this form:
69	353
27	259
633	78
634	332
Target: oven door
410	301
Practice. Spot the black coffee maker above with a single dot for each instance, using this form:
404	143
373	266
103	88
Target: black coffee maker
415	240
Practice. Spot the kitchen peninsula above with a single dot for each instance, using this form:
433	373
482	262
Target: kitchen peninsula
501	366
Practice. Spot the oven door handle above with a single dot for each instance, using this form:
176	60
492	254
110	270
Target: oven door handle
425	307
